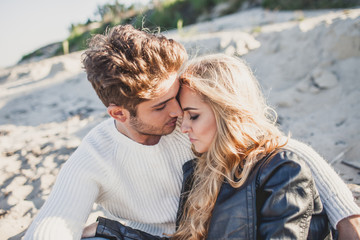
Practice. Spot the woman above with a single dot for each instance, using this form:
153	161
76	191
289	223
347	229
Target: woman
248	182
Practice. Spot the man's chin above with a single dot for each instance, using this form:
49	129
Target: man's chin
169	130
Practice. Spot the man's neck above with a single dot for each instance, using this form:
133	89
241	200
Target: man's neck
148	140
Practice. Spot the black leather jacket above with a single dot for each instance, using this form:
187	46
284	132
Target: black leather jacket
278	201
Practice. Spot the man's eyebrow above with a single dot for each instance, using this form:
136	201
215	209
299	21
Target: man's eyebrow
163	102
189	108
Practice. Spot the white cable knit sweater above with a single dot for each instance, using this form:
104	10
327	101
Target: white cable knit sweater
140	184
136	183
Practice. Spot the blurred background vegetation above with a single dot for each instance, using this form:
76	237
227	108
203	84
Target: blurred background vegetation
170	14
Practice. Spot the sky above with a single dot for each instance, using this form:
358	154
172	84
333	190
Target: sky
26	25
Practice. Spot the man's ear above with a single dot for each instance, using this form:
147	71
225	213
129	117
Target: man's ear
118	113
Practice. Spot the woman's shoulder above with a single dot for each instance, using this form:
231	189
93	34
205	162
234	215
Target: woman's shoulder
284	164
302	149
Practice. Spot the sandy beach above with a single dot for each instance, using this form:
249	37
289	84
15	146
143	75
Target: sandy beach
308	64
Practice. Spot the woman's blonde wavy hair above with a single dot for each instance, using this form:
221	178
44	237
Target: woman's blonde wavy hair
246	133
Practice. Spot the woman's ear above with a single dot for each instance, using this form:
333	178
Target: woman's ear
118	113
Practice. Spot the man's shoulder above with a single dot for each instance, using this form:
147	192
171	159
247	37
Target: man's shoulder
101	128
100	135
95	144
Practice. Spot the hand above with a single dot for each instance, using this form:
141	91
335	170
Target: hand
349	228
90	230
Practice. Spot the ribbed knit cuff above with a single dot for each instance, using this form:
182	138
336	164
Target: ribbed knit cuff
339	208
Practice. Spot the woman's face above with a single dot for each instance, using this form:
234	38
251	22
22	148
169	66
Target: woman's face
198	121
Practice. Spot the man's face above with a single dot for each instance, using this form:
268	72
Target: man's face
158	116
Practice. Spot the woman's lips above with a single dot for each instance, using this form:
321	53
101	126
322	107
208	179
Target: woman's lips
192	139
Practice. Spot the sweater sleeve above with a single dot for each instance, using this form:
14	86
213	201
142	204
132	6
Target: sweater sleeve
337	198
66	210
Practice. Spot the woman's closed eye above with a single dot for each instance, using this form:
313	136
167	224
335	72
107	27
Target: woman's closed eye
194	117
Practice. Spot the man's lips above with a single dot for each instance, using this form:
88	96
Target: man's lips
172	122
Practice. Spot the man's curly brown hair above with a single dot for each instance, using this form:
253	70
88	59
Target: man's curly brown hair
125	65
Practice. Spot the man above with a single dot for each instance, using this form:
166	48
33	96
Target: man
131	164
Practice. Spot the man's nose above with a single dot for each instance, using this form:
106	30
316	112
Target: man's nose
176	110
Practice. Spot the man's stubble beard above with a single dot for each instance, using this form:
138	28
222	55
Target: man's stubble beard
146	129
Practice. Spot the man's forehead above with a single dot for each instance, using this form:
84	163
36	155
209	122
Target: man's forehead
166	91
168	88
166	85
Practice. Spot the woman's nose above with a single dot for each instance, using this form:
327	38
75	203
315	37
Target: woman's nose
184	127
